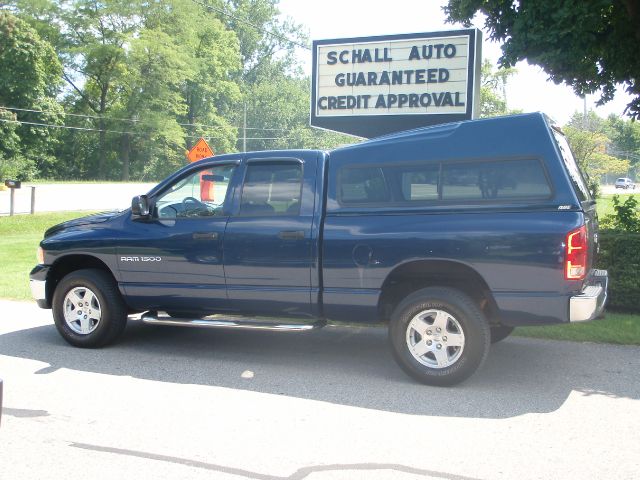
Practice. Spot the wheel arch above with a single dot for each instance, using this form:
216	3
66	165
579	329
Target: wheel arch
413	275
70	263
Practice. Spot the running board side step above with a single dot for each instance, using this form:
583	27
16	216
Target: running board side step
152	318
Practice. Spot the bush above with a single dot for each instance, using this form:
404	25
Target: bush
626	217
16	168
620	255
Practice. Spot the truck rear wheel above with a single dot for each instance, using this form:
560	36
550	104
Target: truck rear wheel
439	336
88	310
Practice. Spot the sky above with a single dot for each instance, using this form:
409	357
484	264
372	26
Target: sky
529	90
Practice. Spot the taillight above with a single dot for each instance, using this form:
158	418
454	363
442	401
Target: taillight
575	265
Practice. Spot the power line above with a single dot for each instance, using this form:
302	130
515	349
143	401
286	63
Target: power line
259	29
69	127
131	120
624	153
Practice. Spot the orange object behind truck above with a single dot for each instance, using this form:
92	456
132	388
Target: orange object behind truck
199	151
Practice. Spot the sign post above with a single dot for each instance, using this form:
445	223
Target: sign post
370	86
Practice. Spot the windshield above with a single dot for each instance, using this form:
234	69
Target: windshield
576	175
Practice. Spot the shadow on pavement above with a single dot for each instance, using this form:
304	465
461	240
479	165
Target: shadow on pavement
345	366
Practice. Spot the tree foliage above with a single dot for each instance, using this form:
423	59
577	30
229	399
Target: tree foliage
29	80
493	99
142	81
625	140
591	45
626	216
590	143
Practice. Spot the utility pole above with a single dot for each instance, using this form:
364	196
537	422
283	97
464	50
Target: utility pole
244	130
504	94
584	111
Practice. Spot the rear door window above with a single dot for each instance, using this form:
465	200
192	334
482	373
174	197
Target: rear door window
272	189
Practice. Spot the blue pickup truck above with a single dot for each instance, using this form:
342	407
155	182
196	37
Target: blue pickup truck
452	235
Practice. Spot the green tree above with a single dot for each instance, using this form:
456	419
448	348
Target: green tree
150	97
278	117
493	101
591	45
211	93
145	79
29	80
271	78
94	50
589	144
267	42
625	140
176	86
137	109
12	164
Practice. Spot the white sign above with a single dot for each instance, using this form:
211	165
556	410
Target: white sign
416	75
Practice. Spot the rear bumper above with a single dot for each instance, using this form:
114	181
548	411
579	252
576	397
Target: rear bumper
589	304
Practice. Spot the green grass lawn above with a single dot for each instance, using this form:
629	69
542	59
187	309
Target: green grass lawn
620	328
19	239
605	203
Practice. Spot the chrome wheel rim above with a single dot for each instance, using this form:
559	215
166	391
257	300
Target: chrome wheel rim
435	338
82	312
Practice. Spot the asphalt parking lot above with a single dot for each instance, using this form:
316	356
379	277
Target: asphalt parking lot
169	403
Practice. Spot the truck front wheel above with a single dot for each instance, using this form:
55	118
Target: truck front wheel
88	310
439	336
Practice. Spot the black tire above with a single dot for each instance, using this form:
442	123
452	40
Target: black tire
113	310
500	332
464	311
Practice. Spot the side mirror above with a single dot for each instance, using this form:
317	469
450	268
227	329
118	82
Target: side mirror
140	206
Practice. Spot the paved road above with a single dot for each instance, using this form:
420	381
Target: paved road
170	403
611	189
74	196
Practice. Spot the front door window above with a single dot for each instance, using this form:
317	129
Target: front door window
201	194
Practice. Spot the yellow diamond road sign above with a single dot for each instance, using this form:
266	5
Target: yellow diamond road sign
199	151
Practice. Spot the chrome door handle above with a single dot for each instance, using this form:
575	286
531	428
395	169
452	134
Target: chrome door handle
205	235
291	235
